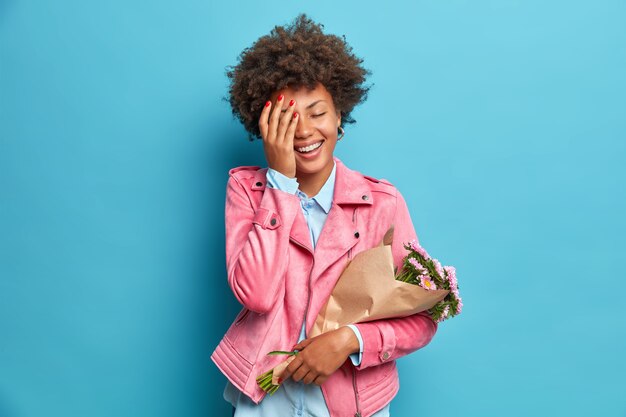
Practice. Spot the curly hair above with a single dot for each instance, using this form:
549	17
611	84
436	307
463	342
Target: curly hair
296	55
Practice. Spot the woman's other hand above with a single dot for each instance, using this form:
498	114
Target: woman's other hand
278	130
320	356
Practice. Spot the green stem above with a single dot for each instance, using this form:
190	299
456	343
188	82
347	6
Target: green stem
283	352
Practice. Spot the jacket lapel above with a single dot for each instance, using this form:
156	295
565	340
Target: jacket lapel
338	234
300	232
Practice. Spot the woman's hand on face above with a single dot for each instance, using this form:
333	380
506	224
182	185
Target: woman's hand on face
320	356
278	130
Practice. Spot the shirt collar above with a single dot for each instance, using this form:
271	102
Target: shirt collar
325	196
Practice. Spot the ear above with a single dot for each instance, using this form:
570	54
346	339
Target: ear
338	118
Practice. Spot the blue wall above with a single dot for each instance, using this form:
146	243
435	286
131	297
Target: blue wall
502	122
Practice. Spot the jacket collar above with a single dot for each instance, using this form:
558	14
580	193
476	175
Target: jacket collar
339	232
351	187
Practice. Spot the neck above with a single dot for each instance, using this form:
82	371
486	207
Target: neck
312	183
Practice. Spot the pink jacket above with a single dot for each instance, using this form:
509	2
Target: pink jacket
280	281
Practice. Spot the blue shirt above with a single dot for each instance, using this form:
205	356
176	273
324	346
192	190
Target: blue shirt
295	398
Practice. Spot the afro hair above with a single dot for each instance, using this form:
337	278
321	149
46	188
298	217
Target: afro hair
296	55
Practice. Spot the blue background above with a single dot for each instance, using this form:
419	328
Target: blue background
502	122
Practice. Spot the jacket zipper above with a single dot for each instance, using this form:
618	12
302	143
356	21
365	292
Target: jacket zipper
308	301
356	393
306	310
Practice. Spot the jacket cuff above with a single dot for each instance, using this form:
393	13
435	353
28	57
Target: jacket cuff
357	357
379	341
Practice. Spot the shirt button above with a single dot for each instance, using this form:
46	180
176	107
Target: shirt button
364	197
258	184
273	222
385	356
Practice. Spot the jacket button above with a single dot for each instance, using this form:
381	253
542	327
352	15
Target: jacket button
356	234
273	221
365	197
385	356
258	184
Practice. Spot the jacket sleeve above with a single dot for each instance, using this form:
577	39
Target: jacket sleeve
387	339
257	243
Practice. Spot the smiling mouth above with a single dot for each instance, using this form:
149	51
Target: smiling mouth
308	149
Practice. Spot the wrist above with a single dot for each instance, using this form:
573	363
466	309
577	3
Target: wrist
352	342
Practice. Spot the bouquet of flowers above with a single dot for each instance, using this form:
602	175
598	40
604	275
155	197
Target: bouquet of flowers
420	269
370	288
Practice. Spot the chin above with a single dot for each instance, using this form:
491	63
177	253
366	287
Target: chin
310	167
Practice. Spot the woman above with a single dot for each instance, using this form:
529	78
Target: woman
292	227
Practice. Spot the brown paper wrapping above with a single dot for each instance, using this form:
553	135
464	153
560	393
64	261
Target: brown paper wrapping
367	290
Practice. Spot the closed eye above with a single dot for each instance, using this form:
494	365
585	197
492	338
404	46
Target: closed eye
318	115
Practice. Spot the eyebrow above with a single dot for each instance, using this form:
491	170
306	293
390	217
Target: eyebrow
310	105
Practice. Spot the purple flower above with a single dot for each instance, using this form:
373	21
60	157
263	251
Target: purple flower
459	306
451	271
446	311
417	248
444	314
418	267
427	283
438	268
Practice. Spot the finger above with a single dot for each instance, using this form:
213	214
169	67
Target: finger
302	371
275	117
291	130
310	377
302	344
263	119
292	367
285	121
277	374
320	379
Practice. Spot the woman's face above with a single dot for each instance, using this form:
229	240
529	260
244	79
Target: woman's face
318	121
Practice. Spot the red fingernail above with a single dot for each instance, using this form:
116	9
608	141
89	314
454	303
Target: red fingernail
280	380
280	97
291	103
268	104
295	115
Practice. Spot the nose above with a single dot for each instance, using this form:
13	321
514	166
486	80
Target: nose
303	128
